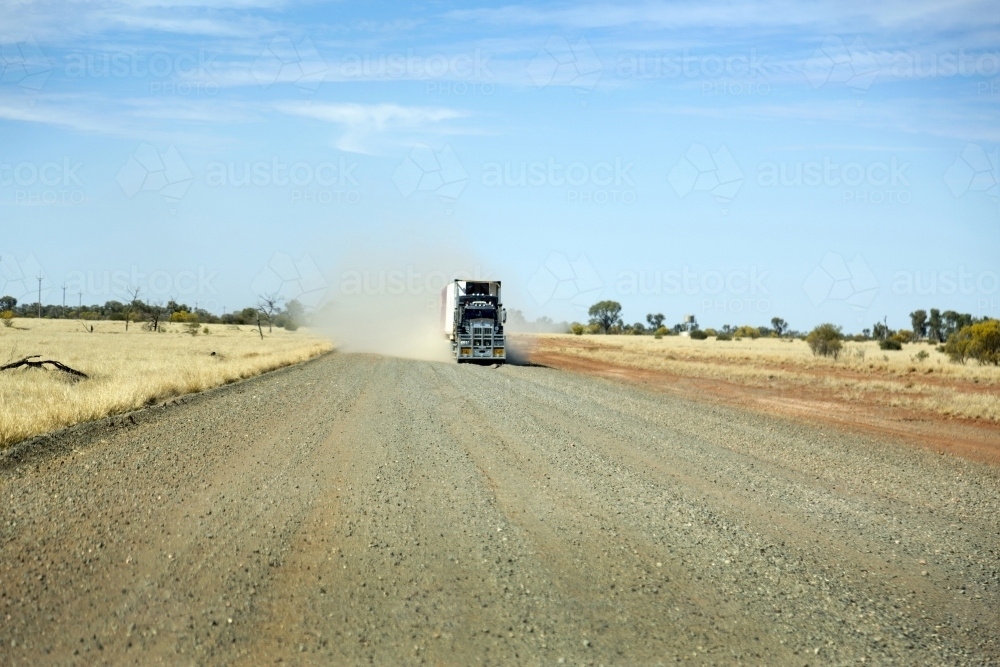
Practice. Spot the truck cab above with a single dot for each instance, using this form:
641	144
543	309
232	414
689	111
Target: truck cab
472	318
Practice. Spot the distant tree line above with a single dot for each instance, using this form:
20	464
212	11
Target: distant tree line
606	318
959	335
270	312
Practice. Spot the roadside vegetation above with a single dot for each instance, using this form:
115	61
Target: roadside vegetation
270	311
74	366
947	363
923	379
960	336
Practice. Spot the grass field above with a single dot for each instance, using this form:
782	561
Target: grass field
862	372
128	370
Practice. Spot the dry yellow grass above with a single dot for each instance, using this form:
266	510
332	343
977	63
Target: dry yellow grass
128	370
863	372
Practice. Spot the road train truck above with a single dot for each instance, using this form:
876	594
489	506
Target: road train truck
472	318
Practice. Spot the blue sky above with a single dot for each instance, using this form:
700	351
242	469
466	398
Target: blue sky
735	162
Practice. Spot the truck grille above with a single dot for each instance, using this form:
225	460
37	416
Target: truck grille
482	336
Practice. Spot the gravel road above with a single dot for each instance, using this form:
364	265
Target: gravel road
367	510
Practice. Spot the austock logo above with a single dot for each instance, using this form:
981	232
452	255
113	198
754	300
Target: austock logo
426	169
975	170
836	280
22	63
559	279
19	279
560	64
49	182
835	62
285	62
601	182
148	170
288	279
701	171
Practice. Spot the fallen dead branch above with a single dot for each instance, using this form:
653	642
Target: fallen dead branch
27	362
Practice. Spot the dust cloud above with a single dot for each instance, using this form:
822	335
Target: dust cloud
389	302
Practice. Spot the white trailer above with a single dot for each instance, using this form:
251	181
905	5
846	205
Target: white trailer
472	318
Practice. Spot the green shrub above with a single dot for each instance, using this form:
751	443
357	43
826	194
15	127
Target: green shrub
958	346
890	344
903	336
747	331
824	340
723	336
577	328
291	325
7	317
711	332
985	342
698	334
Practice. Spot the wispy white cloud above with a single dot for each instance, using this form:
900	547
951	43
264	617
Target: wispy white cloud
74	23
915	116
364	122
714	14
177	120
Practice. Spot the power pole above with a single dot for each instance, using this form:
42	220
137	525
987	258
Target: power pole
63	314
40	276
79	306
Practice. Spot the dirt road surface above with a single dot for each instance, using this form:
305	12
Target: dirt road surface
367	510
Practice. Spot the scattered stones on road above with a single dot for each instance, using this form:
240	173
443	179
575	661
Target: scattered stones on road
361	509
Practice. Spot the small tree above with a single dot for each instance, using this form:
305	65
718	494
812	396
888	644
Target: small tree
133	298
958	346
779	325
824	340
918	319
154	313
606	315
655	321
881	331
890	344
7	303
985	347
295	315
268	305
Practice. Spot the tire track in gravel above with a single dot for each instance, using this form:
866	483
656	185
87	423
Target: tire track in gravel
609	578
776	526
157	580
223	563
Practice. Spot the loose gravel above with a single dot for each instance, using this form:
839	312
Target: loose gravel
367	510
